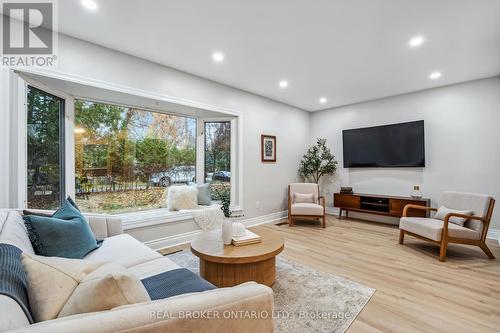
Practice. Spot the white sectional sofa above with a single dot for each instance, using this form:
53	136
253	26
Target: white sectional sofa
168	315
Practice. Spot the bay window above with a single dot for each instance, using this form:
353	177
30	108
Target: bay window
121	159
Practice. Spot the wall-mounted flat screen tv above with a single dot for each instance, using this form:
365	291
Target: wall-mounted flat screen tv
395	145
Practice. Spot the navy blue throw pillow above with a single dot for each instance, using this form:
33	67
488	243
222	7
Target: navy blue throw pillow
66	234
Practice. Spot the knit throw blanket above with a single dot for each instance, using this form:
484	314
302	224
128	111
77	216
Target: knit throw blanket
175	282
208	217
13	277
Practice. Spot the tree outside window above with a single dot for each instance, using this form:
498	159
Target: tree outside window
126	158
218	157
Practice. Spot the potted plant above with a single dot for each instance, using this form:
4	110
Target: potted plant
224	195
317	162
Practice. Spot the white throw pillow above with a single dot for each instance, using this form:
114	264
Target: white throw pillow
443	211
182	197
303	198
59	287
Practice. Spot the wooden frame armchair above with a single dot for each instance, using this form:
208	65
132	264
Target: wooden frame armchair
314	209
443	232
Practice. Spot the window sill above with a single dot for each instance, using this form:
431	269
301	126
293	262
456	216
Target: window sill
141	219
152	217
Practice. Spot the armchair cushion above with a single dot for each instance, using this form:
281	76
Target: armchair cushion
433	228
305	188
443	211
303	198
476	202
306	209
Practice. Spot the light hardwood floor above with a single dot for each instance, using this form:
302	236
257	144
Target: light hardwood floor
415	292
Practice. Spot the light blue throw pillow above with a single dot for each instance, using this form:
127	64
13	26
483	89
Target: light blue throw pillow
66	234
204	195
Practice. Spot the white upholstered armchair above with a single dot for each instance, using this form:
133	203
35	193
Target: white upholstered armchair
462	218
304	201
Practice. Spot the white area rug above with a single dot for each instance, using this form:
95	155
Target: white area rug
305	299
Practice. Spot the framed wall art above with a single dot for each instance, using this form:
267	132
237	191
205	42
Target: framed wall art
268	148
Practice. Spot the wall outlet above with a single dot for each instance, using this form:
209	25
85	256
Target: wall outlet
257	204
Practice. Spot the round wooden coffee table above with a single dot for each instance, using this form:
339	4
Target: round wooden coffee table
229	265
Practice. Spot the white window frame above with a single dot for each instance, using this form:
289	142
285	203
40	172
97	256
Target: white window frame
22	148
22	81
200	168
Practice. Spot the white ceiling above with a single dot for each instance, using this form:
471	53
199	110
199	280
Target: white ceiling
348	51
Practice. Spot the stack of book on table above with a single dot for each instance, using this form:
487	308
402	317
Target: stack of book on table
346	190
248	238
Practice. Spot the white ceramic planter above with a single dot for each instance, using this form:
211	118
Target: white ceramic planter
227	231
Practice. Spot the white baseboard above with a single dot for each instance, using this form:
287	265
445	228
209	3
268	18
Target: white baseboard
174	240
331	211
494	234
269	218
187	237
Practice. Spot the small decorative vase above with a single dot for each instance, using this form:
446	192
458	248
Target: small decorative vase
416	193
227	231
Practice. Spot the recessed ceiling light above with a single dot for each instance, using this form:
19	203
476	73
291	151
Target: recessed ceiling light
89	4
435	75
283	84
323	100
416	41
218	56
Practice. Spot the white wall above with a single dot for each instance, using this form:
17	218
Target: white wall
4	137
263	182
462	138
